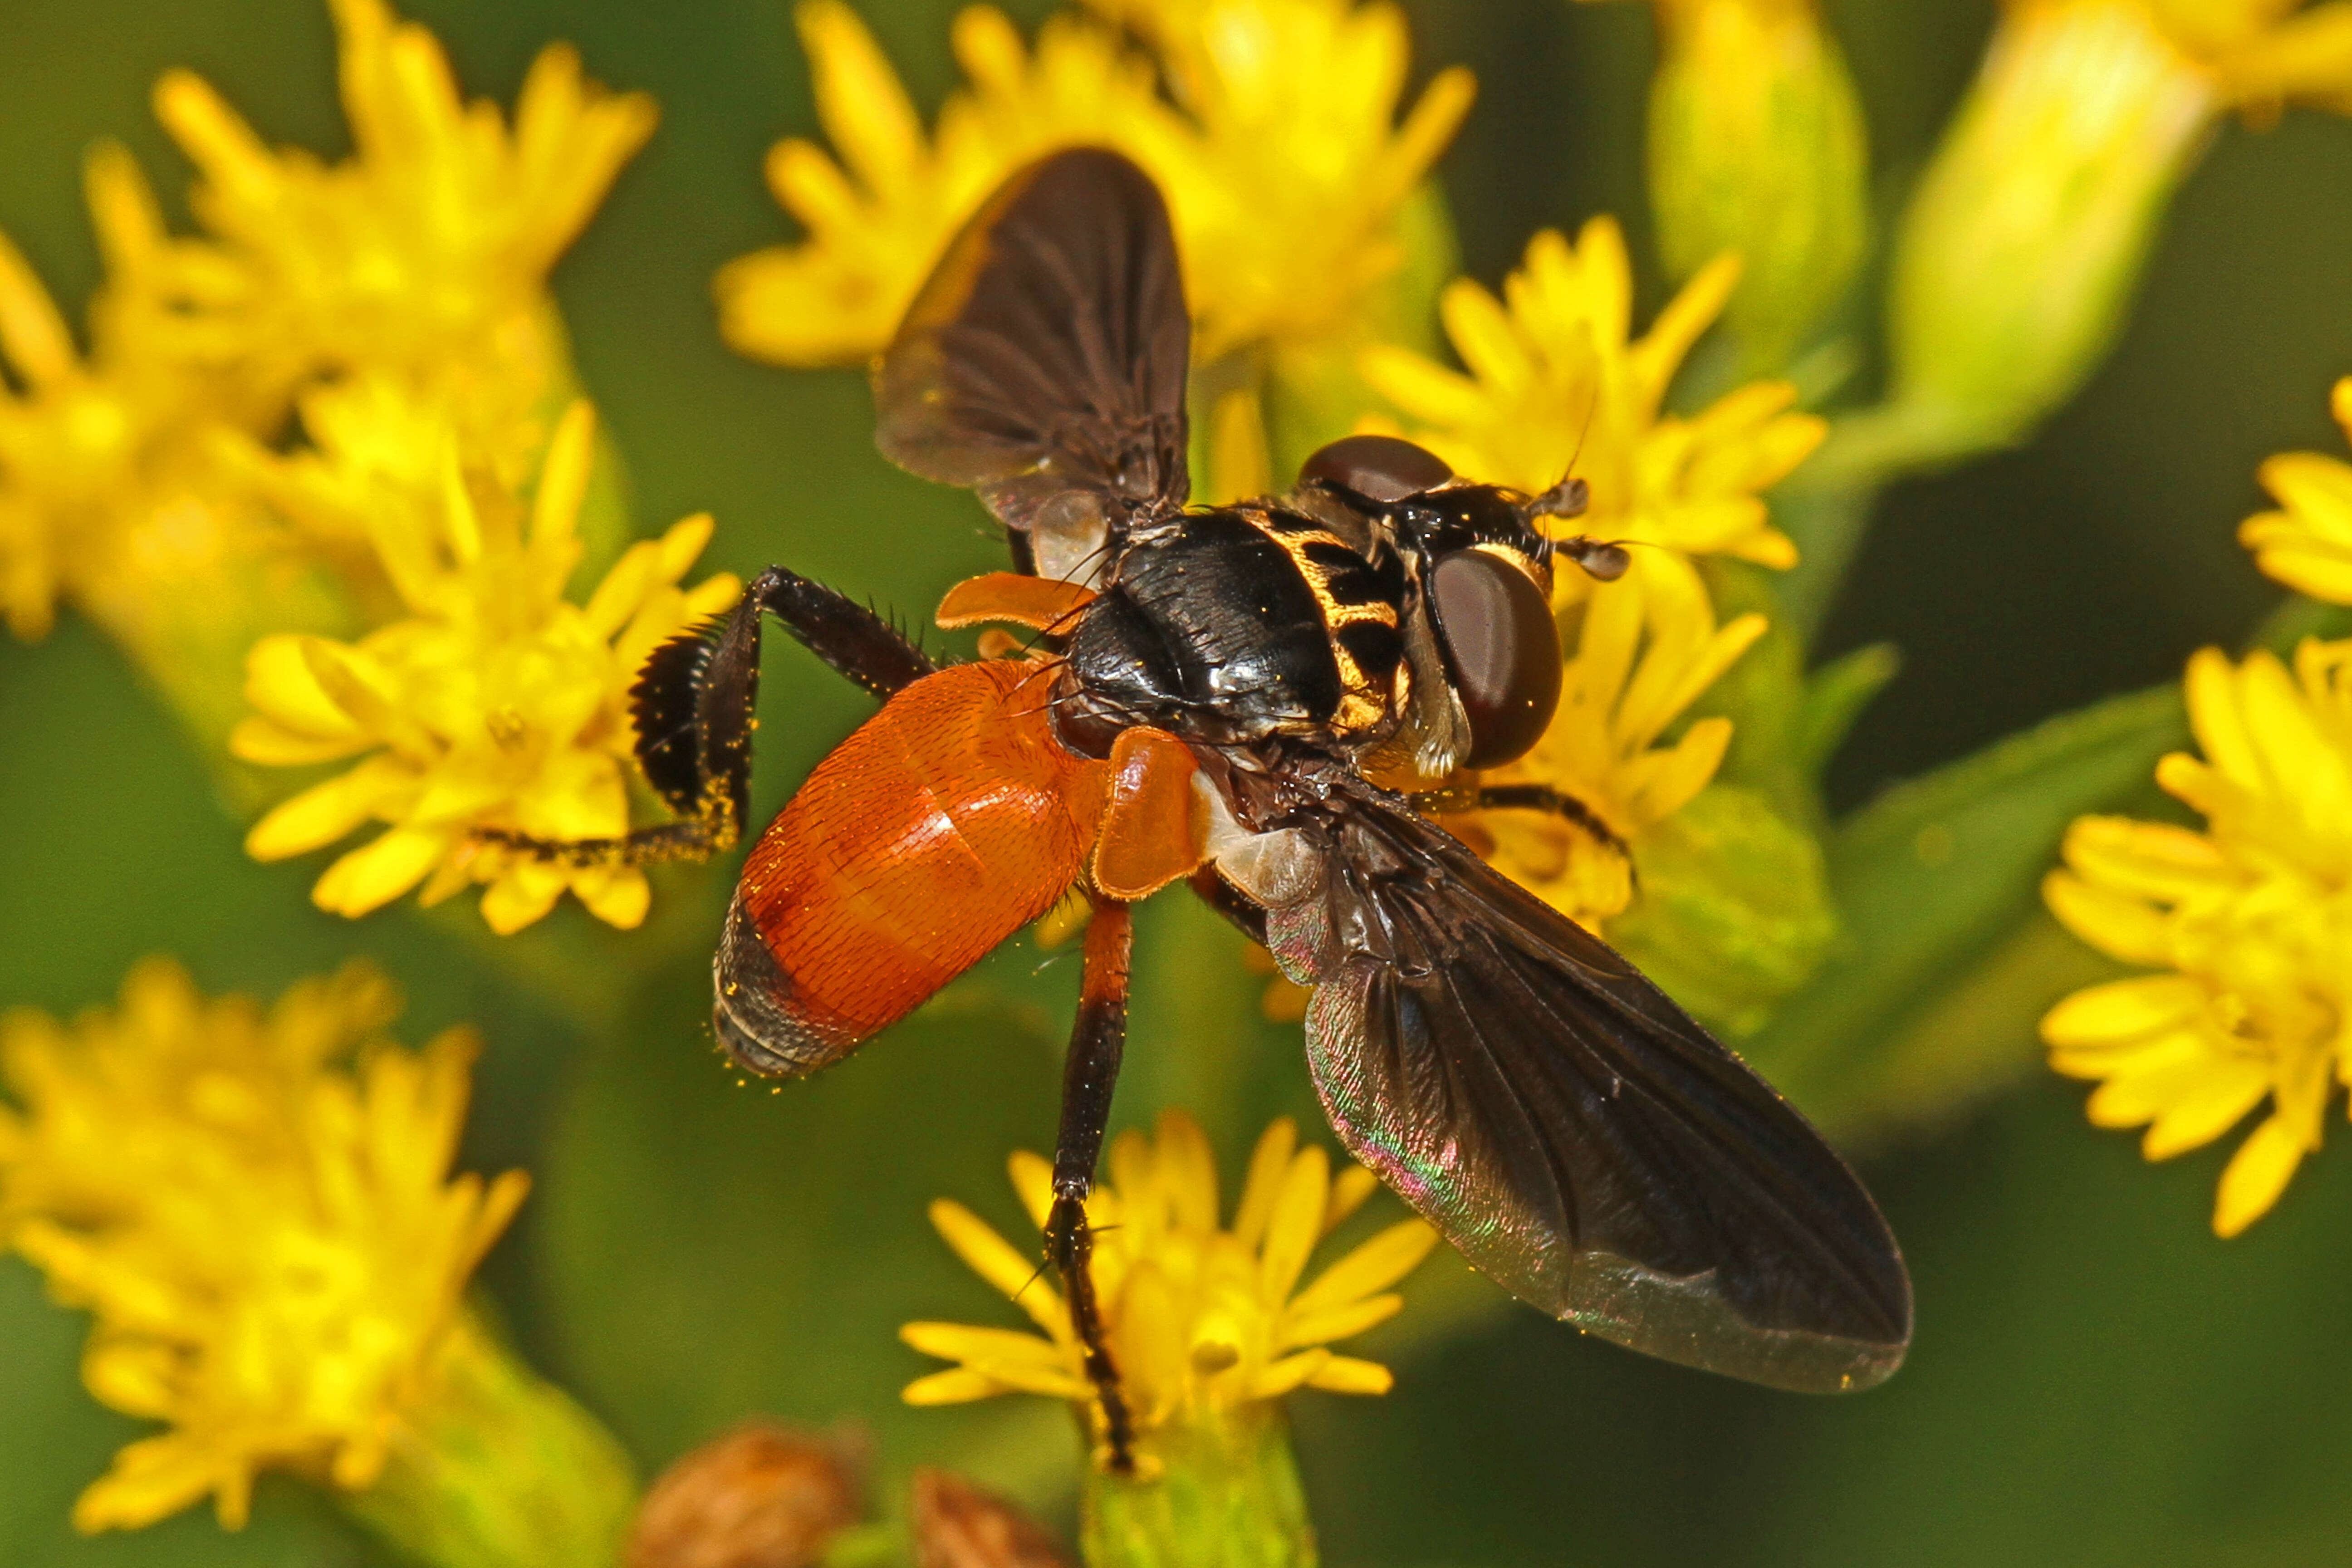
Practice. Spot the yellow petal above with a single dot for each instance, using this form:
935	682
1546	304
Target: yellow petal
1296	1225
1350	1188
1013	1274
377	873
1188	1172
1339	1323
273	745
2123	1010
1348	1374
2255	1176
522	897
151	1480
2219	1103
1032	1184
956	1386
1288	1373
564	478
1269	1162
326	811
32	335
1374	1266
618	895
2118	924
279	680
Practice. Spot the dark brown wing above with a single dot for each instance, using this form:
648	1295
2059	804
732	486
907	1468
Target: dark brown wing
1045	362
1571	1130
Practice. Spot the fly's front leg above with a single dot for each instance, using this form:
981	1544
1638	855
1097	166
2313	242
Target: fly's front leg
1087	1079
695	702
1524	798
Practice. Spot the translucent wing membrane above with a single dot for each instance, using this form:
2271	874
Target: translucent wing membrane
1044	363
1571	1130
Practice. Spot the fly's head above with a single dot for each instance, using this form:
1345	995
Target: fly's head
1485	569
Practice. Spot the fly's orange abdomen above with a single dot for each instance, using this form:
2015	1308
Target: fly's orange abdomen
946	823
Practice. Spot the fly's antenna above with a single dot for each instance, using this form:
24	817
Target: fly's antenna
1603	560
1570	496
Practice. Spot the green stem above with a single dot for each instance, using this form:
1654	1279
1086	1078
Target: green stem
1227	1495
499	1468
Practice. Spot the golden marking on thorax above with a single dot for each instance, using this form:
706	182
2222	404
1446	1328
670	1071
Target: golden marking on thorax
1363	701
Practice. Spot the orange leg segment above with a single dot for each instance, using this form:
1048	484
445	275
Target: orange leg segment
1041	604
1154	827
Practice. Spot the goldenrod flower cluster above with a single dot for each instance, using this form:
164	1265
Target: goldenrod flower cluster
423	257
1554	379
256	1206
2307	543
1276	143
2251	919
495	702
394	305
1206	1321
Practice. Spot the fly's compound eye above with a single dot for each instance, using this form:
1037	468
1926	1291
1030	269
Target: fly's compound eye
1380	468
1502	649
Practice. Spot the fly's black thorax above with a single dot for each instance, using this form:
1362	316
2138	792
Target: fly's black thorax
1227	627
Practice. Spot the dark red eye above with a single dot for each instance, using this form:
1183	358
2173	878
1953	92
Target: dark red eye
1378	468
1502	649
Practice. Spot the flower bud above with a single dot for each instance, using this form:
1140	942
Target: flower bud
1757	146
957	1525
761	1497
501	1470
2018	259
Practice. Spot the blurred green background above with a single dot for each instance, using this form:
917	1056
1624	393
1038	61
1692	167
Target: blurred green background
2095	1380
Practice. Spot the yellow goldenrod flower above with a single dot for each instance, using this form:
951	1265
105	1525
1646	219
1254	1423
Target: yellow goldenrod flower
426	251
494	703
102	459
1757	146
1642	652
2262	53
877	221
2017	261
421	261
1207	1323
2308	544
256	1206
2250	921
1554	377
1281	160
1288	218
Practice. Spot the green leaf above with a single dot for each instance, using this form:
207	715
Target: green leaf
1975	1037
1834	699
1931	878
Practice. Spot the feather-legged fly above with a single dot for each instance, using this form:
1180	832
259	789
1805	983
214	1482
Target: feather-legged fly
1213	695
